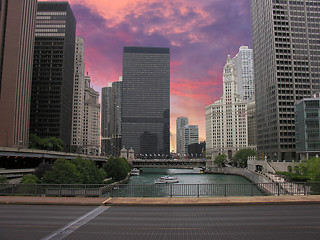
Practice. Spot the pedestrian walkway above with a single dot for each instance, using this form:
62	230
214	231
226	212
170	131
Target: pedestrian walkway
166	201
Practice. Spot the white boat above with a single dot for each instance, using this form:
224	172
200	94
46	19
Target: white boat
135	172
166	179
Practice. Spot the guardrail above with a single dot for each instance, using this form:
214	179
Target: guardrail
160	190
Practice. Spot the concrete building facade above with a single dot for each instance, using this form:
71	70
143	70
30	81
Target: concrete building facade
243	62
17	29
91	120
180	123
307	127
286	64
78	97
189	135
226	119
53	72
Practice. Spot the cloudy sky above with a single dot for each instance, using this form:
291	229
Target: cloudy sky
200	34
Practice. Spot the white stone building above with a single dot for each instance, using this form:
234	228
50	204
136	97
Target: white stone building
78	97
226	119
91	123
243	62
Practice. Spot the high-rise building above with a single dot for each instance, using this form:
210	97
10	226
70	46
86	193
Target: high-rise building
226	119
243	62
111	118
307	131
78	97
286	66
91	120
180	123
17	23
189	135
146	100
53	72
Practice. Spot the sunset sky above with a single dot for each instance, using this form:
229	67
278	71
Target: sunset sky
199	33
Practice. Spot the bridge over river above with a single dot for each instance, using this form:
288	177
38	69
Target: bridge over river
169	163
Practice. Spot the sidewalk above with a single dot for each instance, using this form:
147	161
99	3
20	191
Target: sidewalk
176	201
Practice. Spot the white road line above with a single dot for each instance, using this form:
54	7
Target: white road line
71	227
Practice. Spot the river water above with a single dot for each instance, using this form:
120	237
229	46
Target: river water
185	176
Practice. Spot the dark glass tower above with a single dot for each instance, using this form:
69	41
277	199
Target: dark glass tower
146	100
53	68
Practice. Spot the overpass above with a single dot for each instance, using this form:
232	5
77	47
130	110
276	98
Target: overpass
169	163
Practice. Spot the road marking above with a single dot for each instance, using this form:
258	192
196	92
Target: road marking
71	227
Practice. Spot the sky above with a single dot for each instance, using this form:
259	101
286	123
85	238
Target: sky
200	35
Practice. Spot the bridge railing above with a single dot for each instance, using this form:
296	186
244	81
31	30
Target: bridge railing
160	190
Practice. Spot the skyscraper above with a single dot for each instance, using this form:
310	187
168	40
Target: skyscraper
189	135
53	72
146	100
78	97
111	118
17	23
91	120
226	119
180	123
286	64
243	62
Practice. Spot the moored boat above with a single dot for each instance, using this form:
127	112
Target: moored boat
166	179
135	172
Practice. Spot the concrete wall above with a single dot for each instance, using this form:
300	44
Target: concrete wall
250	175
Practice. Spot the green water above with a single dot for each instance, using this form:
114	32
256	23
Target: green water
185	176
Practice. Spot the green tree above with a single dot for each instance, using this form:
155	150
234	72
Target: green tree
241	157
62	172
90	174
3	179
310	169
41	169
220	160
117	168
57	144
30	179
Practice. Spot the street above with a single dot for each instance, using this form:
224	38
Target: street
160	222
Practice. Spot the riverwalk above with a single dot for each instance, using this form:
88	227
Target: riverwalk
162	201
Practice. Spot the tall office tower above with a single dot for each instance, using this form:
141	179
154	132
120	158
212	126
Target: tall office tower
189	135
78	97
91	120
286	63
243	62
146	100
111	118
180	123
17	23
226	119
252	125
53	72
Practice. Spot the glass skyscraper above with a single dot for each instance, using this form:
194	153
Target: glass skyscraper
286	36
53	72
146	100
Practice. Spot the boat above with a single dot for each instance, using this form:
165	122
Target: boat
135	172
166	179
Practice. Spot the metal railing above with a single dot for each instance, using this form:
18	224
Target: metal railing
160	190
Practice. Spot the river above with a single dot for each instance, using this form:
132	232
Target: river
185	176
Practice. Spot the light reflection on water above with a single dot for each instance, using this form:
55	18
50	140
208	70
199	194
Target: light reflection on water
185	176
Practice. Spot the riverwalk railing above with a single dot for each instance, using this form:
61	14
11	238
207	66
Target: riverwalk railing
160	190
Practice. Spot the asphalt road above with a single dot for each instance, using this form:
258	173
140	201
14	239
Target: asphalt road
160	222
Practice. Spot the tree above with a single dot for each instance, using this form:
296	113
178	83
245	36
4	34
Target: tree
3	179
220	160
29	179
241	157
90	174
41	169
62	172
117	168
310	169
